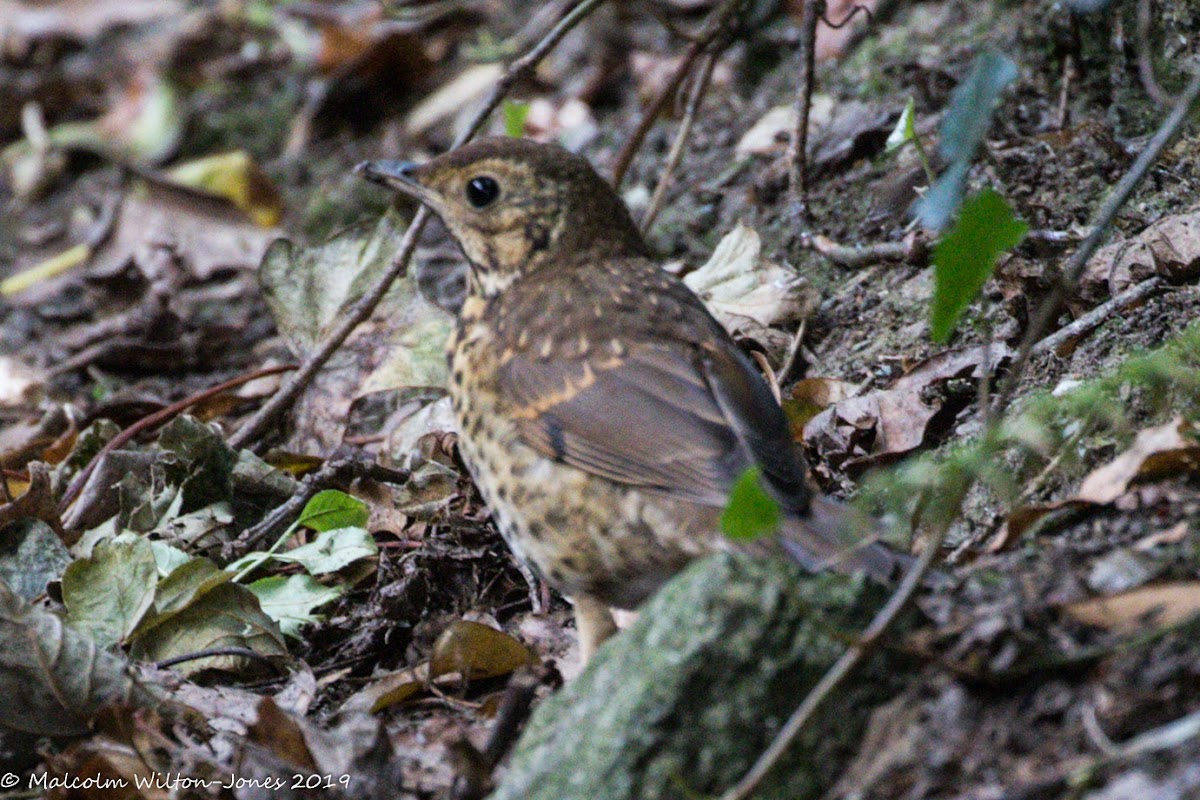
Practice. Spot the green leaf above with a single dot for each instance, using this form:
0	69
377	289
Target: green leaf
333	509
515	114
228	615
329	552
905	130
290	600
750	512
964	258
108	593
963	128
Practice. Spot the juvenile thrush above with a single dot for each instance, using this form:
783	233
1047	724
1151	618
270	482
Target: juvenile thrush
603	412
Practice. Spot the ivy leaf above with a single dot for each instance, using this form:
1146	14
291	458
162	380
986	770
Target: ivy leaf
750	511
332	509
964	258
291	600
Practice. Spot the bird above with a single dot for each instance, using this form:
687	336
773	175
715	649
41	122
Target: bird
604	414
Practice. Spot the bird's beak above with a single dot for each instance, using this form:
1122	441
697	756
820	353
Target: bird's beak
398	175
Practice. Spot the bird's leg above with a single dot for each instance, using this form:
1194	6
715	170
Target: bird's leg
594	623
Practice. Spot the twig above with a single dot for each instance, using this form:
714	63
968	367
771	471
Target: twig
841	668
798	147
239	652
913	249
685	127
1098	315
475	770
1064	96
716	22
795	355
1144	63
149	423
366	304
1104	218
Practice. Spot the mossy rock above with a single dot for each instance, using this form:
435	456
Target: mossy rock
682	703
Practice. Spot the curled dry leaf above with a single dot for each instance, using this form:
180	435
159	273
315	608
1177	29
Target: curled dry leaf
885	424
36	503
1169	248
235	177
1162	605
750	295
1160	452
53	679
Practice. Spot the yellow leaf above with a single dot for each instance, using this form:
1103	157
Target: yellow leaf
235	177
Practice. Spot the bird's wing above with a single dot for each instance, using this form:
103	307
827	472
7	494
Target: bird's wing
669	416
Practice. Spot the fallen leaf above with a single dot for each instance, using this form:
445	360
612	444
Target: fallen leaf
227	616
467	88
1169	248
108	593
1160	606
207	234
883	425
750	295
53	679
31	555
474	650
773	130
1169	449
401	346
235	177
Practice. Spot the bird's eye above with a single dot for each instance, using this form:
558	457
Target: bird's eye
482	191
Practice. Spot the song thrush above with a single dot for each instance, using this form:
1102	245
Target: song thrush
603	412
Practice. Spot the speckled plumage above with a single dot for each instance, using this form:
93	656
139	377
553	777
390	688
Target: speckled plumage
603	412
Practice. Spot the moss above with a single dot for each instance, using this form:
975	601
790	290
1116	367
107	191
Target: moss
684	701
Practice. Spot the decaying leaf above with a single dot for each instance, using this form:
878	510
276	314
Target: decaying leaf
1169	248
749	294
771	133
79	19
1163	451
1157	606
227	616
206	233
1169	449
402	345
465	650
461	93
37	502
31	555
108	593
53	678
887	423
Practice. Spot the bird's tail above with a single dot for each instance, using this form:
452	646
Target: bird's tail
835	536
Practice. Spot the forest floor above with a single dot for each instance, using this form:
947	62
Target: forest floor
1059	659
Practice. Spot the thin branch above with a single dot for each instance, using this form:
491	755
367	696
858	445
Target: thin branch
1145	63
365	306
158	418
798	147
717	22
238	652
1103	221
699	88
1098	315
841	668
913	249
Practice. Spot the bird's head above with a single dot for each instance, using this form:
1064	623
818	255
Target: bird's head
515	206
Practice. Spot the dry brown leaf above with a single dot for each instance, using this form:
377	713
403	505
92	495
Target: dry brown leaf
1169	449
1162	605
749	294
78	19
882	425
1169	248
